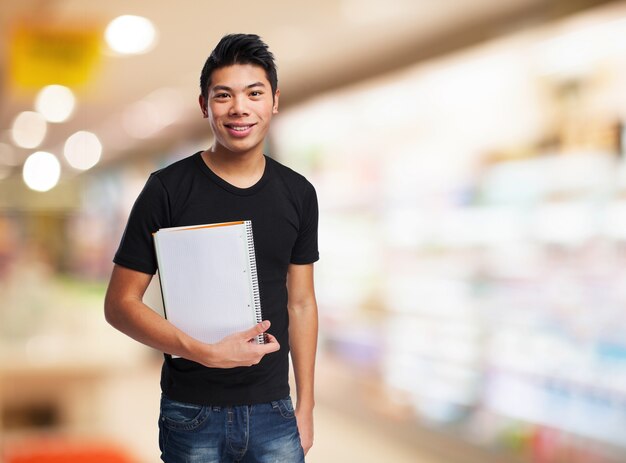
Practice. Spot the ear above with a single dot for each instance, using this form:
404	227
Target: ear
203	104
275	108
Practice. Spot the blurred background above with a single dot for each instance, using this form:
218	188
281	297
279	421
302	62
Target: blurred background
469	158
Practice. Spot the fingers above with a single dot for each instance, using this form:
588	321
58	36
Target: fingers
271	344
258	351
240	350
257	329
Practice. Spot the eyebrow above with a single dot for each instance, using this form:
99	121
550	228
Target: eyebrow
228	89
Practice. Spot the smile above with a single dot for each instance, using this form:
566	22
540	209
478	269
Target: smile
239	130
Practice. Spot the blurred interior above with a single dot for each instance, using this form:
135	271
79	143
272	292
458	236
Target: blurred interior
469	158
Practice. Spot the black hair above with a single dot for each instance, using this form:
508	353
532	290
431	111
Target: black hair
239	49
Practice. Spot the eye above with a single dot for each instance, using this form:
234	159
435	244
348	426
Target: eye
221	95
256	93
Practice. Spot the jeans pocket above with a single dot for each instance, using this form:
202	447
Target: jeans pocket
182	416
285	407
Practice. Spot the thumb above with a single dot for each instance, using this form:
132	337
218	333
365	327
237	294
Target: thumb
257	329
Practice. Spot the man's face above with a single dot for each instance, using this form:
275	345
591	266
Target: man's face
239	107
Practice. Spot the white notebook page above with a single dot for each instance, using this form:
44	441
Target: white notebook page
205	280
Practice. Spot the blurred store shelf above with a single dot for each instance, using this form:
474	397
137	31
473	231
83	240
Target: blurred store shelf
355	405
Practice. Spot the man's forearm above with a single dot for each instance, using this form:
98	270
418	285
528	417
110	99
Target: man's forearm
139	322
303	328
125	311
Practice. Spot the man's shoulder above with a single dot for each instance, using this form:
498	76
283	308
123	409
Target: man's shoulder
289	176
174	172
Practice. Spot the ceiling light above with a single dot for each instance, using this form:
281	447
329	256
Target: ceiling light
170	104
55	103
8	159
130	34
5	172
29	129
41	171
371	12
8	156
83	150
141	119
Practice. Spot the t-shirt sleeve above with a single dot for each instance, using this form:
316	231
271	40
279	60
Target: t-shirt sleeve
150	212
305	249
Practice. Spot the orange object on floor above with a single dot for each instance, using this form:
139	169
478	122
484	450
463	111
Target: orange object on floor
63	451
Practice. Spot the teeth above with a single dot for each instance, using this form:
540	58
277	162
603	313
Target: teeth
240	129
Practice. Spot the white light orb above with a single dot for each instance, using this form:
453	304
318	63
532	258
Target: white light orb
29	129
130	35
83	150
55	103
141	119
41	171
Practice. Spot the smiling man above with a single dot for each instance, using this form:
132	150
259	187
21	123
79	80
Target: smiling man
230	401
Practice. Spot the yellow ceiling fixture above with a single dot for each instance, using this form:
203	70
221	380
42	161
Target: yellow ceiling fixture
41	54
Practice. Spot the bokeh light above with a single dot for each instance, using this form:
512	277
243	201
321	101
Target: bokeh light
130	35
41	171
29	129
83	150
55	103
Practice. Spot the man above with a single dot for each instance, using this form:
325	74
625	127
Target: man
230	401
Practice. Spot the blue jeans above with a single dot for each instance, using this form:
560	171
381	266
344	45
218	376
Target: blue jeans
260	433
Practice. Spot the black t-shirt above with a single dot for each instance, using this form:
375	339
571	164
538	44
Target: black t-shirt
282	206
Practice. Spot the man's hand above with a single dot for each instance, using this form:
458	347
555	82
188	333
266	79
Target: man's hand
305	428
239	350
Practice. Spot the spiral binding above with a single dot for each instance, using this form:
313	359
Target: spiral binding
256	296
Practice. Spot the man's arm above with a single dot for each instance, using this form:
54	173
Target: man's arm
303	343
124	310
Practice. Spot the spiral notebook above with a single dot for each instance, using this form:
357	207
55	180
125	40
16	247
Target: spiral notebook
208	279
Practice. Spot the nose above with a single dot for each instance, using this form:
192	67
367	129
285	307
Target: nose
238	106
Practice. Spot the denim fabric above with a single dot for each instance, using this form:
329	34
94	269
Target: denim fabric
263	433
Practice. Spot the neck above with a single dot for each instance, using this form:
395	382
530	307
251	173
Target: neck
224	157
240	169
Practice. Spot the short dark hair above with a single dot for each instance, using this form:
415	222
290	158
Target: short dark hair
239	49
